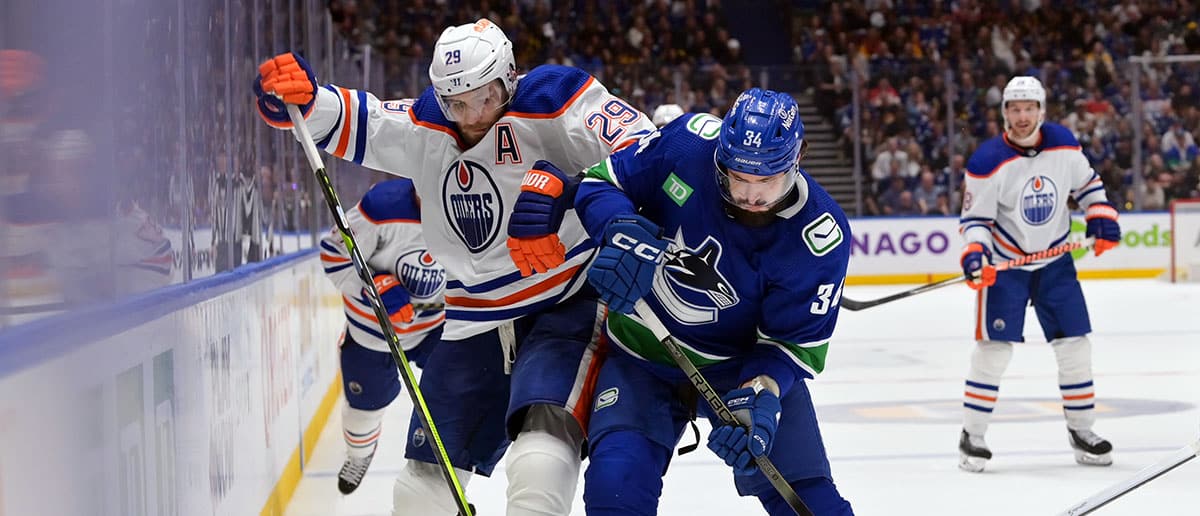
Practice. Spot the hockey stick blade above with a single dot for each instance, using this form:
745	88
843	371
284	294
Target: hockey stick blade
364	274
855	305
1151	472
646	314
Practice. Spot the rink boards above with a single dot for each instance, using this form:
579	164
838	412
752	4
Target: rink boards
201	398
206	398
925	249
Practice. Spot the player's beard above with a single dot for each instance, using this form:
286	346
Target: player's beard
758	219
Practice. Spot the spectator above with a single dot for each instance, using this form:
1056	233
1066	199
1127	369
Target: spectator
926	194
1178	147
896	199
889	160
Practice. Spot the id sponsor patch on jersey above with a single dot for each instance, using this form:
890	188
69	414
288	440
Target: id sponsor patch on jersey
822	235
677	190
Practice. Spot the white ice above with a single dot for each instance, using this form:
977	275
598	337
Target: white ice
890	403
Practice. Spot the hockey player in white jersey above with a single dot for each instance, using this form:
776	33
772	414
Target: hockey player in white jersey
387	227
1017	186
468	141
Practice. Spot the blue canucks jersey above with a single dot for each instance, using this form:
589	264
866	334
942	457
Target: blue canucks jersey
767	296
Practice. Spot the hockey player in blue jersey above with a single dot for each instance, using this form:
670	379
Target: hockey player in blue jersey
743	256
387	225
1017	186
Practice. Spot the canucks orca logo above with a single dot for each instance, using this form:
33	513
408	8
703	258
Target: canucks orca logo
472	203
690	287
420	274
1039	197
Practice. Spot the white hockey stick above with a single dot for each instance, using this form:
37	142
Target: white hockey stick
856	305
1139	479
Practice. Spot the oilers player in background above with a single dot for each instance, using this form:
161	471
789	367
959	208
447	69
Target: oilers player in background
468	141
387	226
1017	187
742	256
665	113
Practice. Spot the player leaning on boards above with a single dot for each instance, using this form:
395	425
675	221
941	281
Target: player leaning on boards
387	224
1015	204
752	254
468	141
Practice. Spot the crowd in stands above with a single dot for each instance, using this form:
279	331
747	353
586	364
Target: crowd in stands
915	58
931	74
649	52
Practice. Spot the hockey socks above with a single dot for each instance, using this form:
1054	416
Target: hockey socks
360	429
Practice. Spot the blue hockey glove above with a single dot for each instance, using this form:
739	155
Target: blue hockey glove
546	195
977	266
1102	223
284	79
395	298
737	446
624	270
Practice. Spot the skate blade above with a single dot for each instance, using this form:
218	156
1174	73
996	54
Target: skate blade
971	464
1091	459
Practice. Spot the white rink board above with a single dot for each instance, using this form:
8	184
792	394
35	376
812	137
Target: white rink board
1185	221
883	246
187	401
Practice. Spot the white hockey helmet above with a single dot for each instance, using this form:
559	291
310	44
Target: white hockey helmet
665	113
471	56
1024	87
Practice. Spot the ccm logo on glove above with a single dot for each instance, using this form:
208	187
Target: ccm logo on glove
642	250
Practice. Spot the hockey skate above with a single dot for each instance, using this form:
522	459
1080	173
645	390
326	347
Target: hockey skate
352	473
1090	449
973	452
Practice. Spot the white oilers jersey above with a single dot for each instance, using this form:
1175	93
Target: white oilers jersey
1016	199
387	229
558	113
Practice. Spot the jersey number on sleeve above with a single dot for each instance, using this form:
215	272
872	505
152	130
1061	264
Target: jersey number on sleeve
823	303
611	120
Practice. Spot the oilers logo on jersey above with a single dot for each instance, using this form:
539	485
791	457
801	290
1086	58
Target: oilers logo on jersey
420	274
1039	197
691	287
473	204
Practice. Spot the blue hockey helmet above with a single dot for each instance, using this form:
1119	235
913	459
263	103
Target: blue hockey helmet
762	135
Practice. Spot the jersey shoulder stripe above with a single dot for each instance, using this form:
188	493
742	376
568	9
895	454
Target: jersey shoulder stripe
1055	137
389	201
547	91
989	157
426	113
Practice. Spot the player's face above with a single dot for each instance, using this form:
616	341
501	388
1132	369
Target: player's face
757	193
477	110
1022	116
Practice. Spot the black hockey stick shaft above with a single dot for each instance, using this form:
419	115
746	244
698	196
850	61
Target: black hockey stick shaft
855	305
381	315
646	314
1151	472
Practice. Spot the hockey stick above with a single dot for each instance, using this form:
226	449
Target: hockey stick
714	400
854	305
1151	472
364	274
